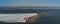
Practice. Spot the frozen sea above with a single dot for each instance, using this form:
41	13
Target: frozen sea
53	15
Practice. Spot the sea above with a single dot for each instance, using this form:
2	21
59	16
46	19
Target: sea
52	14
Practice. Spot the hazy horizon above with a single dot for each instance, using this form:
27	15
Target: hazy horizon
26	3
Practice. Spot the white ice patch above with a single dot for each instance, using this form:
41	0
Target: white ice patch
15	17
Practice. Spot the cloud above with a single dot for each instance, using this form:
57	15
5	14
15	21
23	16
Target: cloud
26	4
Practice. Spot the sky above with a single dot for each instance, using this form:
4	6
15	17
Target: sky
22	3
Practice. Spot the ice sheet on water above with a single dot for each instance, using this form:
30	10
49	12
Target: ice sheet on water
15	17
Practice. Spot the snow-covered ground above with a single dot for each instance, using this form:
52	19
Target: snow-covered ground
15	17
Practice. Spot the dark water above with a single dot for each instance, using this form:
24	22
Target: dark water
53	15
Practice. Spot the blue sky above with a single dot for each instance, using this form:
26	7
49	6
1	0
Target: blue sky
29	2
